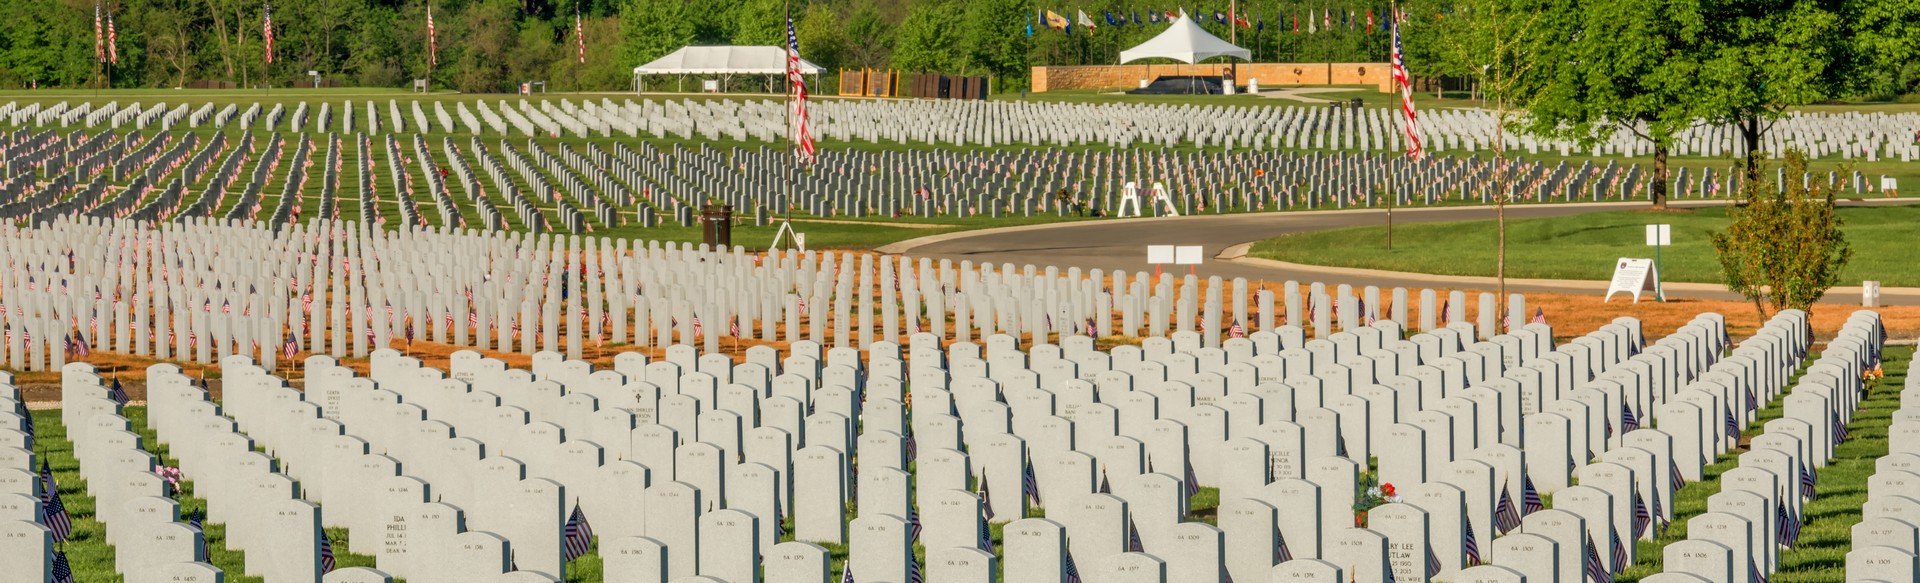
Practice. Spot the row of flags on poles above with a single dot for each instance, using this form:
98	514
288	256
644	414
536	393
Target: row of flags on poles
106	39
1310	21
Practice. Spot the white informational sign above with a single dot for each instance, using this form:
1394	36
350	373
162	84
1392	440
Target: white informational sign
800	240
1632	276
1159	254
710	86
1659	234
1188	255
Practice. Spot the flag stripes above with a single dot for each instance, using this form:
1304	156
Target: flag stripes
266	31
578	534
433	46
580	35
802	136
1401	78
52	507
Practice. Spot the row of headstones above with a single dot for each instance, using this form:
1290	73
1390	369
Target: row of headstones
1743	531
759	194
267	511
1080	307
1629	467
930	520
1031	123
967	508
375	490
1347	316
1886	542
1759	509
1298	539
1555	544
16	449
133	502
522	502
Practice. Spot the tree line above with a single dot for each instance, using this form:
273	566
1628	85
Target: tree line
1745	51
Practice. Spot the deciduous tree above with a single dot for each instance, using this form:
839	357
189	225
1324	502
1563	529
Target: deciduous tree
1784	248
1611	66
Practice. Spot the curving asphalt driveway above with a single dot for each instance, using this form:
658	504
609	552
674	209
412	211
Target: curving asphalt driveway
1121	244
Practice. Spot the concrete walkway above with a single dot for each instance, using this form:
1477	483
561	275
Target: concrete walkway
1300	93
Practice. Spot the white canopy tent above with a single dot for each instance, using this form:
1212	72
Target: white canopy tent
1186	42
724	61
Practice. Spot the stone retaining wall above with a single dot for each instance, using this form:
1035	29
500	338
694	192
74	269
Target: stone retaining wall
1269	74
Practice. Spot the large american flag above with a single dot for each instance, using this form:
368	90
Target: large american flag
433	48
266	26
1406	95
99	40
580	35
802	137
113	52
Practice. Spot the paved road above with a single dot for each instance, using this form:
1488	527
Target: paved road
1120	244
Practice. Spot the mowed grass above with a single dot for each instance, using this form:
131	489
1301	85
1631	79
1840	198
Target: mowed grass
1586	246
1826	536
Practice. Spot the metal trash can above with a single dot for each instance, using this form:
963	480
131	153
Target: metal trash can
717	226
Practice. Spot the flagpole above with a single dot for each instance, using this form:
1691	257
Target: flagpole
111	57
1233	36
432	47
99	52
786	221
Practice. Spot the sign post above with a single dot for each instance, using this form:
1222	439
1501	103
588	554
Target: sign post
1658	236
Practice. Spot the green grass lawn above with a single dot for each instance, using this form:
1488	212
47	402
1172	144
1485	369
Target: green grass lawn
1585	246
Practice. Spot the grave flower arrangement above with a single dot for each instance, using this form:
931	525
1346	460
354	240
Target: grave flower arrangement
1370	493
173	477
